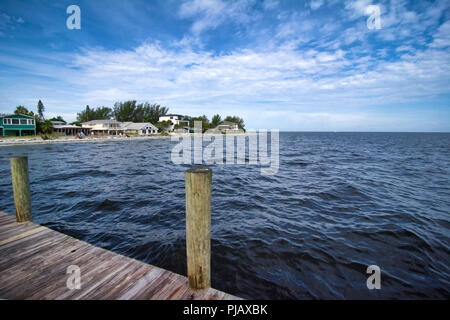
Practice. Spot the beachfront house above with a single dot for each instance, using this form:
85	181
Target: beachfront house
175	119
17	125
103	127
61	127
140	128
227	126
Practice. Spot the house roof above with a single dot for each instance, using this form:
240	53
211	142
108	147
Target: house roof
172	115
137	125
228	123
65	126
15	114
57	123
123	125
101	121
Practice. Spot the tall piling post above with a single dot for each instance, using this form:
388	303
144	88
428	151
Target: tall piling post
21	188
198	227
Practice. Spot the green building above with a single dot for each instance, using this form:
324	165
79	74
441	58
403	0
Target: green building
17	125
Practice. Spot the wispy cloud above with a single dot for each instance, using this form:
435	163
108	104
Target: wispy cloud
208	14
197	81
316	4
316	67
8	23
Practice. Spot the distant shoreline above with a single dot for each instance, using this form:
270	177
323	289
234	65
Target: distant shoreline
71	139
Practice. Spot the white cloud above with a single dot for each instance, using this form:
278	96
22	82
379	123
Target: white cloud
8	23
316	4
209	14
330	81
442	37
198	81
283	78
357	8
270	4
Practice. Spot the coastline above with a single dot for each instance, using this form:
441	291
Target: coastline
71	139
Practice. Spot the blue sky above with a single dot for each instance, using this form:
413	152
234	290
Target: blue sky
289	64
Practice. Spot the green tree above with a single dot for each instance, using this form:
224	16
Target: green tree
163	125
155	112
143	112
40	110
216	120
58	118
45	128
205	122
102	113
89	114
85	115
23	110
239	121
124	111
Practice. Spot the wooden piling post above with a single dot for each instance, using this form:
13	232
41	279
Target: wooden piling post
21	188
198	227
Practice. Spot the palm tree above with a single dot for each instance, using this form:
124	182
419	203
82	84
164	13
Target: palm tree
40	109
21	110
46	127
216	120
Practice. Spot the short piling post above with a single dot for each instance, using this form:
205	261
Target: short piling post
198	227
21	188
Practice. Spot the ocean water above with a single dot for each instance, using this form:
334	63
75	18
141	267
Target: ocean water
339	203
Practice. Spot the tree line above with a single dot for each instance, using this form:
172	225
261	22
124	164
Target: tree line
123	112
146	112
215	121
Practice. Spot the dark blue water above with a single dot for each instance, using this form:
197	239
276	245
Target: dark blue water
339	203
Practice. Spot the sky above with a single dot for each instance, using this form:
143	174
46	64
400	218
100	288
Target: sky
291	65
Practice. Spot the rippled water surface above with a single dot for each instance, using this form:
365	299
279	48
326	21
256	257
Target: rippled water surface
339	203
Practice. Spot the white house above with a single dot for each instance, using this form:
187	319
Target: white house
141	128
97	127
176	119
227	126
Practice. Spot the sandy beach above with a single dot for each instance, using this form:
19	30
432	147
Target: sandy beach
71	139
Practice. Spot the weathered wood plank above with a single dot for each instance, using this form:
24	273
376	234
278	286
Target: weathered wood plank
22	235
34	261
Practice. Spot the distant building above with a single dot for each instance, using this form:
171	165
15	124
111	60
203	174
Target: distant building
140	128
61	127
17	125
227	126
103	127
176	119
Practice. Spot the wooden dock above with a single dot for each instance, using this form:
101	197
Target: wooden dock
34	261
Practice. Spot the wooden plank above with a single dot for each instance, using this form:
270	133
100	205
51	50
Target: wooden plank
41	273
6	217
120	282
15	229
34	261
23	235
